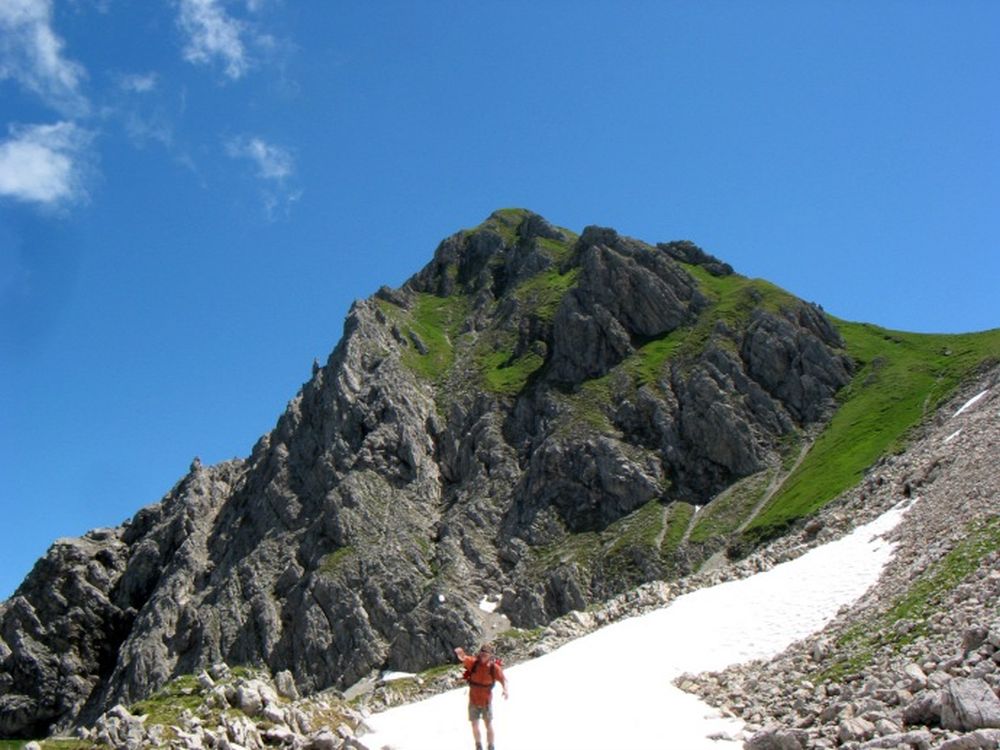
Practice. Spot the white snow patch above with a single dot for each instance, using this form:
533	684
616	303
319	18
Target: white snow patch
952	436
613	688
487	606
970	403
393	676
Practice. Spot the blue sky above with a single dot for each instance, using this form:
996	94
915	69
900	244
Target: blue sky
192	192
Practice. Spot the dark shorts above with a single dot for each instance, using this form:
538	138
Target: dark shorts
481	712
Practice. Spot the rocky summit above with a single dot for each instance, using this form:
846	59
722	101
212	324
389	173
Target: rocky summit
538	418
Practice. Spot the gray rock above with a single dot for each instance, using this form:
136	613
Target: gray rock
916	678
920	739
285	684
969	704
855	729
773	738
979	740
323	740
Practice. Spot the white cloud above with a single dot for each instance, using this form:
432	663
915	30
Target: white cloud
213	34
32	54
273	162
43	163
275	165
138	83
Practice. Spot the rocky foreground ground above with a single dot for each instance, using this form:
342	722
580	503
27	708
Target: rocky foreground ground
913	664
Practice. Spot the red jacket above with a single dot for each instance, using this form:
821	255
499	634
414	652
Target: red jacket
482	679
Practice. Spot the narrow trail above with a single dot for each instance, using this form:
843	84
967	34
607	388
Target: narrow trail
663	527
690	526
776	482
718	559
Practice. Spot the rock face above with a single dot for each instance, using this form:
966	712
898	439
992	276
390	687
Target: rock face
525	392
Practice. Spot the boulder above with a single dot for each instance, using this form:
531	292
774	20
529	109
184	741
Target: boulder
855	729
969	704
285	684
774	738
983	739
924	710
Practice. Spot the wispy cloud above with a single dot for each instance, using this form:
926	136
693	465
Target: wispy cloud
273	162
275	166
138	83
212	34
44	163
32	54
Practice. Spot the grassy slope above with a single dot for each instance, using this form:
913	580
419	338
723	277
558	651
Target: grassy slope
901	378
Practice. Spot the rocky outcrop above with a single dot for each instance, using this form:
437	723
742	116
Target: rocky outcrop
626	292
470	428
224	710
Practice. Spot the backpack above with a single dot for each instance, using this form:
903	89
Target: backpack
492	664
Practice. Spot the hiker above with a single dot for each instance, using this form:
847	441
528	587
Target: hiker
482	671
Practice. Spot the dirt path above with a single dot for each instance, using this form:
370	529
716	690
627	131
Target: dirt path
776	482
718	559
663	527
690	526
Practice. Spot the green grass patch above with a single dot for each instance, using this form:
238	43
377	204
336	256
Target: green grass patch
677	524
582	548
334	562
590	404
507	376
441	669
558	250
925	596
522	634
435	322
723	515
640	528
168	704
542	293
504	222
901	378
648	363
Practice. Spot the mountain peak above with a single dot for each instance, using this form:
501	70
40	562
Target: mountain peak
535	416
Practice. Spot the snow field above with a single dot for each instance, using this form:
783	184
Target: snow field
612	688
